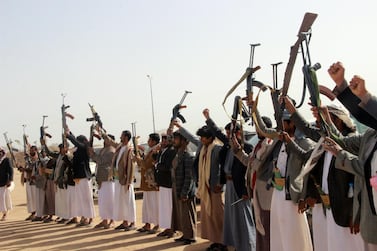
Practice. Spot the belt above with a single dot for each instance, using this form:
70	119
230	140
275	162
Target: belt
229	177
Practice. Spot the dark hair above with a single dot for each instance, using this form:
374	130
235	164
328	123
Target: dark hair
155	137
62	145
82	139
179	135
204	131
267	121
127	134
111	136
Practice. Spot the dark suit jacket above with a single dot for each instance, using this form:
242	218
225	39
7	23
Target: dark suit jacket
338	185
80	160
238	169
351	102
163	167
338	180
182	174
357	165
6	172
216	168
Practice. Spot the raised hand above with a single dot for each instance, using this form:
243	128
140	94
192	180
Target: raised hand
206	113
289	105
357	86
331	146
336	72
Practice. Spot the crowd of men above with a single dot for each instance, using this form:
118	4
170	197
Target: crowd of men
327	168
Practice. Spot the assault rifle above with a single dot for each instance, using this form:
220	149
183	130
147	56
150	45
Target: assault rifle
64	120
238	106
311	82
305	27
250	79
26	146
135	141
176	111
10	148
96	118
96	123
43	133
275	92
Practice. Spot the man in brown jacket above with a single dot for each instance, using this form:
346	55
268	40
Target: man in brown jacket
149	186
123	172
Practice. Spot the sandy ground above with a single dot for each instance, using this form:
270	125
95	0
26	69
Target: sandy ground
18	234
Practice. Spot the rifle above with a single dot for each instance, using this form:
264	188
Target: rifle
135	142
10	148
96	120
250	78
43	133
311	82
306	25
176	113
275	92
26	146
237	107
64	120
250	83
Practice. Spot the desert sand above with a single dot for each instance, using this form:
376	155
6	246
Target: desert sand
18	234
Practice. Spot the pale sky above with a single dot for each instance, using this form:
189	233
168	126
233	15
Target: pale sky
102	51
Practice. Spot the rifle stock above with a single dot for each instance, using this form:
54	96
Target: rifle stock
306	25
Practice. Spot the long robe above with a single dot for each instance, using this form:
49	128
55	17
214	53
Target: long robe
106	200
239	229
184	216
165	207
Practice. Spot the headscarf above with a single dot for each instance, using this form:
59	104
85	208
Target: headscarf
342	114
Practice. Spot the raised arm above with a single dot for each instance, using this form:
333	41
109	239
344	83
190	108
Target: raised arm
214	128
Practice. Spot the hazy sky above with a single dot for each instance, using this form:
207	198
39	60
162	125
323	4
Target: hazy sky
102	51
